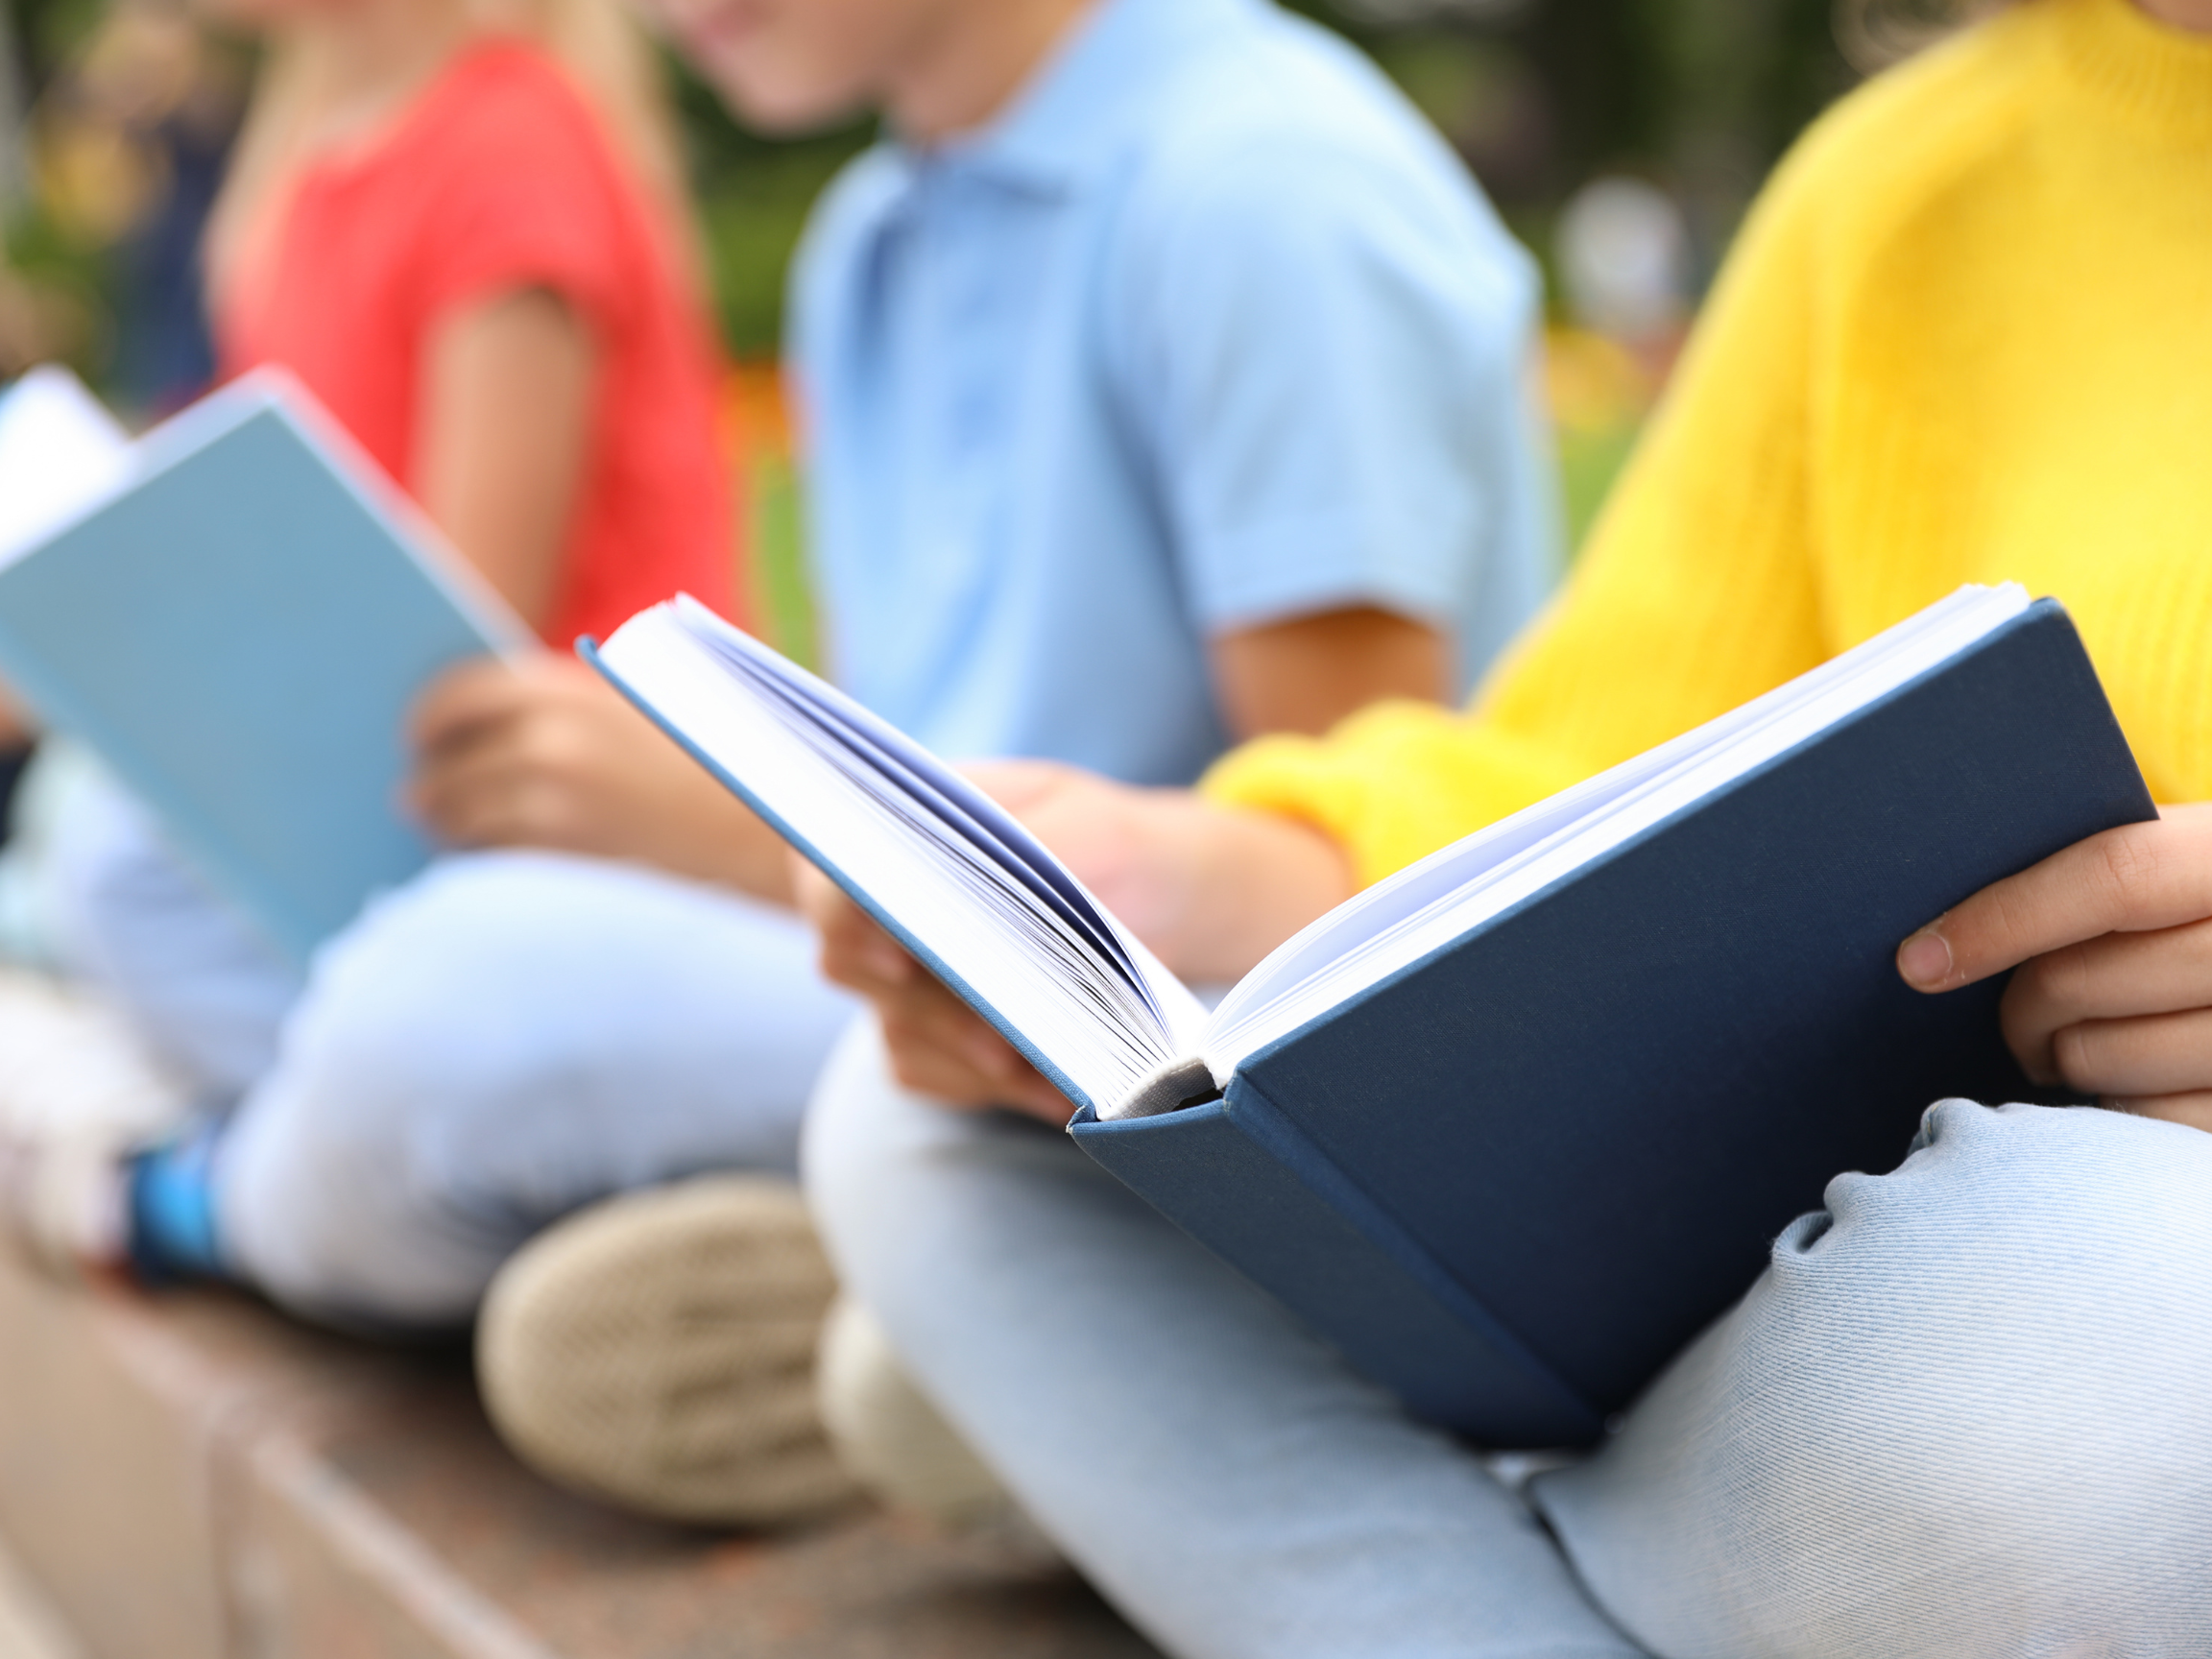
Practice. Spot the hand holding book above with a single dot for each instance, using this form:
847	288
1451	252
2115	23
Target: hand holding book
235	611
1211	890
938	1045
2111	940
544	752
1427	1121
2111	943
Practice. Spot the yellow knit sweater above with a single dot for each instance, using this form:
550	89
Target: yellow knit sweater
1965	336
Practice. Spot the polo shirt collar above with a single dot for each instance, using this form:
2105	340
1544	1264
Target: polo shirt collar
1066	121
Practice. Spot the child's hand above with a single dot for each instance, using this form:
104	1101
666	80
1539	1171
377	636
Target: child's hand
1210	890
544	753
2113	942
938	1045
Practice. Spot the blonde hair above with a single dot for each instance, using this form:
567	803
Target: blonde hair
597	44
1872	35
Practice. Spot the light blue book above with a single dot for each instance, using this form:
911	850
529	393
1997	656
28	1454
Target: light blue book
235	612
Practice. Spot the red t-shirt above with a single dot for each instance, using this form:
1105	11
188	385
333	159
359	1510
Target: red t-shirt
501	178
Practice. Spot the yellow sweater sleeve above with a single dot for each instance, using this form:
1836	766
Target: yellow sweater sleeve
1698	590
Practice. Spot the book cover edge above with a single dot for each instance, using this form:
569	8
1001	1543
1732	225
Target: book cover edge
588	650
2042	611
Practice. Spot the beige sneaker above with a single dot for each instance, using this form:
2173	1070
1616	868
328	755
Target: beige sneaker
658	1349
898	1445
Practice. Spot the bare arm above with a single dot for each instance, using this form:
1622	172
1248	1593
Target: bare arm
504	425
1307	674
544	753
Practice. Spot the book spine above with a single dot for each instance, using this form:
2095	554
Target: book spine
1237	1178
919	948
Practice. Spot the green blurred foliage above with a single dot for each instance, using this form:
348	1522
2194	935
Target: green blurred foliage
46	31
42	33
1539	96
1699	96
1590	459
752	195
70	249
781	594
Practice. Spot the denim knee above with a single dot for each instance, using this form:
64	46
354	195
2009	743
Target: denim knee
507	1037
433	1023
202	985
866	1142
840	1150
351	1159
1967	1410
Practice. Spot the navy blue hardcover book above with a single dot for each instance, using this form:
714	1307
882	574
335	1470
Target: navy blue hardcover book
1511	1128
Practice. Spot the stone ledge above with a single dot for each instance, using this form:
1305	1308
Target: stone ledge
190	1477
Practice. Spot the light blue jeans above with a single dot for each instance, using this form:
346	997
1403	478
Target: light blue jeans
507	1037
1967	1412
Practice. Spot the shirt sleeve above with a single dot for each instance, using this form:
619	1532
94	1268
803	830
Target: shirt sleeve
1698	590
530	198
1328	354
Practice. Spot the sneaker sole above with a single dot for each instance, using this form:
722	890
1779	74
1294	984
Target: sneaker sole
658	1349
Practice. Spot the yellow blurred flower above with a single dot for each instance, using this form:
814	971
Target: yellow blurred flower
1593	383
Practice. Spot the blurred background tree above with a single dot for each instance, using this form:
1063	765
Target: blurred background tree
1621	139
129	112
1540	96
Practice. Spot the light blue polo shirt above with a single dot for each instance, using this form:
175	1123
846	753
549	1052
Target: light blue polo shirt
1209	329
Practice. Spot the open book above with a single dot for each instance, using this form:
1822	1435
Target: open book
1589	1058
235	611
1000	919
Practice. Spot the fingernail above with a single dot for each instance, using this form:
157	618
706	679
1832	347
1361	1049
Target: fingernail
1925	959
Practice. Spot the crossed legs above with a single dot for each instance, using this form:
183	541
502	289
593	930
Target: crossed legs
1968	1411
507	1037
